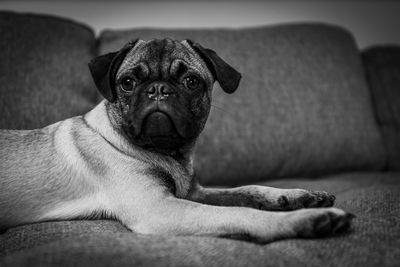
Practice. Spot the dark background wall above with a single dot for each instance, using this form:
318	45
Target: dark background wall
372	22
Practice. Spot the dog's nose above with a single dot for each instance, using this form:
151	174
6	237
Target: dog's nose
158	91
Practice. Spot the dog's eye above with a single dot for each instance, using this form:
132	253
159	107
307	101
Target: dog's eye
127	84
191	82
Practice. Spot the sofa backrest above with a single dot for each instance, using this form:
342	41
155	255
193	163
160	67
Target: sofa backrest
43	70
303	107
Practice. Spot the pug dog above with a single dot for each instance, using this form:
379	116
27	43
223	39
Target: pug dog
131	157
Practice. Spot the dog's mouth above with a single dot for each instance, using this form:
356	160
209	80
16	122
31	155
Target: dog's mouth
159	132
159	125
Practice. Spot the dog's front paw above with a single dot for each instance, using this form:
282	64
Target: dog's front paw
322	222
292	199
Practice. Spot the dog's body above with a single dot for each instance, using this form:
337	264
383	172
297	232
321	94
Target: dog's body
130	158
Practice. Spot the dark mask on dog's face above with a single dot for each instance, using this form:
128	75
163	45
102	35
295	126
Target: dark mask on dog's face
160	90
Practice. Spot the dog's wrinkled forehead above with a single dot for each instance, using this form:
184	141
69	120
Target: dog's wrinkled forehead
158	56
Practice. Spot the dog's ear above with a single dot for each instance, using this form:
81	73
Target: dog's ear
225	74
104	68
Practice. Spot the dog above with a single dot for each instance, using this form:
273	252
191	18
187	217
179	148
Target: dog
131	157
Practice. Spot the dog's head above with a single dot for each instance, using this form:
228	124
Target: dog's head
159	91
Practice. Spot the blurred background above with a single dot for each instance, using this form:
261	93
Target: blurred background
372	22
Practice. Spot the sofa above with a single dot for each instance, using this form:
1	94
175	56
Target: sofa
313	111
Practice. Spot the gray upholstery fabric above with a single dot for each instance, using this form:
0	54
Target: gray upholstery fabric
382	66
44	76
303	108
374	240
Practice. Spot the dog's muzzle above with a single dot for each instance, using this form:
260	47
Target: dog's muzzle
160	132
156	124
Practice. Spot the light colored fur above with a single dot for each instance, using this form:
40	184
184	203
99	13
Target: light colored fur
72	168
85	167
82	167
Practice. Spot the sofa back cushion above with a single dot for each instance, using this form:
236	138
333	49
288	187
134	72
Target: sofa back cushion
303	107
43	70
382	64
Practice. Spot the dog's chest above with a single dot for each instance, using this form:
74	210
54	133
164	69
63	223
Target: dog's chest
115	170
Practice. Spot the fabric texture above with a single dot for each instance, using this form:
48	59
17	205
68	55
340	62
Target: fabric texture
373	241
43	70
303	107
382	66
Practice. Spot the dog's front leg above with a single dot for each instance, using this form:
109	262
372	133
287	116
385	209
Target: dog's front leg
262	197
173	216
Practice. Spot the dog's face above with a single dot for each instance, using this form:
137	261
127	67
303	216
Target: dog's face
160	90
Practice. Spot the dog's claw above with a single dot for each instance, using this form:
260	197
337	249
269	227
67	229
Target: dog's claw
304	199
319	199
337	224
330	221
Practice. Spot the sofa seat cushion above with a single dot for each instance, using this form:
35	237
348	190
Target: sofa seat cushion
303	107
44	76
374	240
